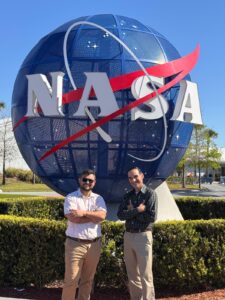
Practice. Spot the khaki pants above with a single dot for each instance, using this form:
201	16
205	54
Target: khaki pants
138	260
81	260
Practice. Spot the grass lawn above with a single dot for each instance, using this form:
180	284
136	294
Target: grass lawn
12	185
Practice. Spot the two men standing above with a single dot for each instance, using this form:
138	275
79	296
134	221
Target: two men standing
84	211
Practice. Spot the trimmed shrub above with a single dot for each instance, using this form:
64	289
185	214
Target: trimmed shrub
25	175
194	208
31	251
21	174
111	270
11	172
35	207
188	255
191	208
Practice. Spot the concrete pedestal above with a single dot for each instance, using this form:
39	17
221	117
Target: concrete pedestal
167	207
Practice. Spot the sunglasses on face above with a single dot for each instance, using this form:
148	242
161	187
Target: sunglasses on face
87	180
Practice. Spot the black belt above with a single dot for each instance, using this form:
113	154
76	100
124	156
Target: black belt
137	230
84	241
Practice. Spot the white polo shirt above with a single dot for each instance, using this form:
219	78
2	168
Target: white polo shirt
77	200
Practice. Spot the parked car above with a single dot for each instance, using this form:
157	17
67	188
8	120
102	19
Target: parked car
222	179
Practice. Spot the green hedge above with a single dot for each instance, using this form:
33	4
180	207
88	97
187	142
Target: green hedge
35	207
188	255
21	174
31	251
194	208
191	208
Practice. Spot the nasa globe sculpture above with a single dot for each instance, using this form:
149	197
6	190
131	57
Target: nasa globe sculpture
104	92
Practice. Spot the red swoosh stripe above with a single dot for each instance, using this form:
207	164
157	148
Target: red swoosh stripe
180	67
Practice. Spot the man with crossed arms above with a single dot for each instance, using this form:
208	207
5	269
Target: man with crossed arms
85	211
138	208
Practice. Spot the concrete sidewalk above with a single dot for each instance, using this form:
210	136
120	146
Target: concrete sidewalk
208	190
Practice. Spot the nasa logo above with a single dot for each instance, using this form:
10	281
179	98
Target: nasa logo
97	100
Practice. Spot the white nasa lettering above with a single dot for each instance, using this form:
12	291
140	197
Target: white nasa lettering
140	88
106	100
187	107
41	93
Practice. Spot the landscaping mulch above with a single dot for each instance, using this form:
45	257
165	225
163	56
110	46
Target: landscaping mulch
53	292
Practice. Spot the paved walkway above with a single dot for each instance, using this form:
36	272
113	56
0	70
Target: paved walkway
209	190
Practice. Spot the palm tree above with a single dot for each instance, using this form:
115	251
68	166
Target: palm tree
209	136
2	105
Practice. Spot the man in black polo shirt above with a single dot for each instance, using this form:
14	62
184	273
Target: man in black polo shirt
138	209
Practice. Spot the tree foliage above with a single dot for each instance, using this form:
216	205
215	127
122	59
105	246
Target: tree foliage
2	105
203	154
7	142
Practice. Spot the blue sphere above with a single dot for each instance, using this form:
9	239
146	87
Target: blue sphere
92	50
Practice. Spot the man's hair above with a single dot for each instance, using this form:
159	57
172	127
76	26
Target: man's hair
135	168
87	172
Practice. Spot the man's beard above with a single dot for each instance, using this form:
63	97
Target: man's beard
84	188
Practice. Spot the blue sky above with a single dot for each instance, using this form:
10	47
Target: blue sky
185	23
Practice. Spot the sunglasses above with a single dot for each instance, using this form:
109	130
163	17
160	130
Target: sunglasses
87	180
